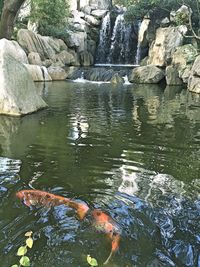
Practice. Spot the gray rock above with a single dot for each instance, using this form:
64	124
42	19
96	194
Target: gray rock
185	73
194	79
99	13
92	20
162	49
172	76
165	22
77	40
70	71
103	4
184	55
146	74
86	59
38	73
65	57
45	46
87	10
34	58
57	73
116	79
14	49
194	84
195	71
18	94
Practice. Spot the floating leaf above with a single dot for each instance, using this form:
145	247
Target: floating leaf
21	251
92	261
29	242
28	234
25	261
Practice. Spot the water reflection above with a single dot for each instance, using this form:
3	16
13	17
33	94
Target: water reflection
132	151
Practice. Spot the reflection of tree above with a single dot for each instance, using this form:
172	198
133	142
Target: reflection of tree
79	141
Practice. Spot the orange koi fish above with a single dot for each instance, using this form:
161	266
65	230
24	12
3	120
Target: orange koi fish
106	224
42	198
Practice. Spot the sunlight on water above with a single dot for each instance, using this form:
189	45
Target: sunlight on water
131	151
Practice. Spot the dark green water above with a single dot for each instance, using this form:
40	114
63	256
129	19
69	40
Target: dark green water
131	151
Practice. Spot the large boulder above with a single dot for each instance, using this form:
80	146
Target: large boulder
14	49
66	58
45	46
172	76
184	55
34	58
117	79
146	74
92	20
99	13
38	73
182	59
194	79
162	49
57	73
18	94
77	40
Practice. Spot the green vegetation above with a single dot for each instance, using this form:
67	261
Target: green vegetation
140	8
92	261
155	9
24	260
1	6
50	16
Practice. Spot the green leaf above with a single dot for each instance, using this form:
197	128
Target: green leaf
92	261
25	261
28	234
21	251
29	242
15	265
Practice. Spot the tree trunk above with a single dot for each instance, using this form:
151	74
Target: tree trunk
8	16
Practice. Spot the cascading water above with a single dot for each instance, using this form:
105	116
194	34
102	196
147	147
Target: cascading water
138	52
104	40
118	41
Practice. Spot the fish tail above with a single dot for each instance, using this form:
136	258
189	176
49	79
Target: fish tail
109	257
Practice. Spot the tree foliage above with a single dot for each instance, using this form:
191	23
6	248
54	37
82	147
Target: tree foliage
49	15
140	8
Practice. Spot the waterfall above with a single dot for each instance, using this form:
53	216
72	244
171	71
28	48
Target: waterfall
117	41
117	38
138	52
104	40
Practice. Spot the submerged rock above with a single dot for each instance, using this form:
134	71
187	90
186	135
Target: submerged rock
117	79
18	94
146	74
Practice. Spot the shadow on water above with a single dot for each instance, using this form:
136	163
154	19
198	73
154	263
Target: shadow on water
132	151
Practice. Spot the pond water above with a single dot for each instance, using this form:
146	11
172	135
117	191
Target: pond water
132	151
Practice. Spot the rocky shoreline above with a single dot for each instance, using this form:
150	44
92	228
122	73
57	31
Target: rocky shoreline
42	58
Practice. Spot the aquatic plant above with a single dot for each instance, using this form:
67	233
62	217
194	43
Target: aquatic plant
24	260
92	261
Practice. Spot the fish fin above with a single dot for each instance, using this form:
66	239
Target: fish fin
27	202
109	257
82	211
